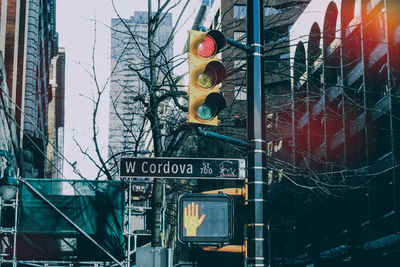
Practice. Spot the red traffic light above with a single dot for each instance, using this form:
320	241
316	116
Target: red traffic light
207	48
210	45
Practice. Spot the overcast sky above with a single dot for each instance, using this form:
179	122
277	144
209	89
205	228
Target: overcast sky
75	25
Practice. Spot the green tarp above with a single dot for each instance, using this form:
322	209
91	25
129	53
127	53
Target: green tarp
97	207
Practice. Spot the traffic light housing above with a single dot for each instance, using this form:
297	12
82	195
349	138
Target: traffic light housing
205	219
205	74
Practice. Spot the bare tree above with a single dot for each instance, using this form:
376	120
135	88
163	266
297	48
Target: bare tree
152	115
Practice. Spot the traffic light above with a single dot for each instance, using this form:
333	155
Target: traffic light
205	74
205	219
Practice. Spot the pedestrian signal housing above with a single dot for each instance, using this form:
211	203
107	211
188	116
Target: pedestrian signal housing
205	219
205	74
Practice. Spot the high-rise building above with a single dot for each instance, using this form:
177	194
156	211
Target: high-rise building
128	127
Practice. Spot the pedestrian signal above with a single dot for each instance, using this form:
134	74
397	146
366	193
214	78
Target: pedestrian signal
205	219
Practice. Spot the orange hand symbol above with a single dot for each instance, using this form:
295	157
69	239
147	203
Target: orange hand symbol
191	220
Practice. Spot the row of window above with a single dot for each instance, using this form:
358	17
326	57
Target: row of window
239	11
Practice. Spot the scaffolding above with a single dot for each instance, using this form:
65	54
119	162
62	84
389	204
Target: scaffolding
42	189
8	235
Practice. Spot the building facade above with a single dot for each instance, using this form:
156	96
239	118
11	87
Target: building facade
8	132
341	178
28	42
55	145
28	130
41	45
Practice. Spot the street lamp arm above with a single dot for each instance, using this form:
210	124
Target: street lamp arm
221	137
238	45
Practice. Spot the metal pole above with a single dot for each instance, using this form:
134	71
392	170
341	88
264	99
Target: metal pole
239	45
257	227
163	217
128	260
15	207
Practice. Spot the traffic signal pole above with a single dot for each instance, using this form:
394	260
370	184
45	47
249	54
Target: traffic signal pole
257	227
204	110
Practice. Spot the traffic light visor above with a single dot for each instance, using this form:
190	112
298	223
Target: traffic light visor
219	39
207	45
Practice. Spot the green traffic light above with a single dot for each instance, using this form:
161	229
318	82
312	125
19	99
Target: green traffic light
211	106
206	112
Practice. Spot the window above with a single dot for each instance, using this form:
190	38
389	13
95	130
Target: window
268	11
192	142
240	37
240	65
278	34
239	11
207	2
291	7
162	109
285	56
241	93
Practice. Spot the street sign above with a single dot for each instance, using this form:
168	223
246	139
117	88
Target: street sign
205	219
183	168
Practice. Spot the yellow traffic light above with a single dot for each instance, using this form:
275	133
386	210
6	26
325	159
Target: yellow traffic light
205	74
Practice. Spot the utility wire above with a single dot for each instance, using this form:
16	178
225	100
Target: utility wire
35	145
42	152
41	133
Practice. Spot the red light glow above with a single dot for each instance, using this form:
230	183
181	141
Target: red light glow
207	47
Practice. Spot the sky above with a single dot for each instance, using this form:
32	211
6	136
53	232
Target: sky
76	28
76	20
